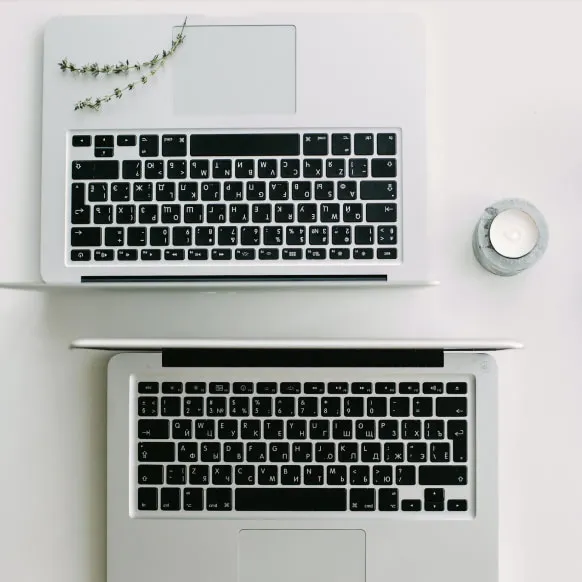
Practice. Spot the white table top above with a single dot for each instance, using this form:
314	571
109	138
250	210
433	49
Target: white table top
505	120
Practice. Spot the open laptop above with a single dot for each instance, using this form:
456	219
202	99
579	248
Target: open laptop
267	149
319	461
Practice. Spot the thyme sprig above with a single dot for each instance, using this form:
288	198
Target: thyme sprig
148	68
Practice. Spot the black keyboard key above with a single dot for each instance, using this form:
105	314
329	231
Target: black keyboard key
244	169
456	388
227	429
451	406
243	387
393	452
316	254
98	191
174	145
318	235
244	475
363	144
457	433
182	236
187	191
292	254
296	429
95	170
210	452
335	168
176	474
362	499
409	388
268	475
153	429
284	406
81	141
125	213
266	388
315	144
148	387
147	498
411	505
198	475
147	406
365	430
314	388
216	406
156	452
312	168
204	236
221	254
330	213
193	213
239	213
195	387
222	475
171	406
383	168
197	255
284	213
290	499
194	406
250	235
347	190
362	253
324	190
337	388
343	429
199	169
378	190
457	505
149	146
273	429
103	141
267	168
386	254
150	474
361	388
434	430
352	213
301	190
406	475
170	499
364	235
307	406
341	235
295	235
360	475
103	214
143	192
432	388
262	406
233	452
256	452
239	405
354	406
148	214
388	499
380	212
85	237
348	452
151	255
261	213
341	144
370	452
290	388
442	475
422	406
136	236
278	190
219	499
126	140
244	145
411	429
256	191
103	152
416	452
210	192
382	475
188	452
193	499
336	475
434	495
159	236
313	475
385	388
176	169
268	254
387	430
154	169
319	429
120	192
306	213
331	406
358	168
131	169
386	144
440	453
80	212
273	235
219	388
377	406
291	475
172	388
386	235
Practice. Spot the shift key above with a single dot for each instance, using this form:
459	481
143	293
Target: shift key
86	237
95	170
442	475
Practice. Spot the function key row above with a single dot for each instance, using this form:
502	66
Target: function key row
300	388
290	144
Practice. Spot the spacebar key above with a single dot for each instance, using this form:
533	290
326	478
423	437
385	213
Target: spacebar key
281	499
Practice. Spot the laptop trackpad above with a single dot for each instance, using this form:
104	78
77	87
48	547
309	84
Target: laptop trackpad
302	556
235	70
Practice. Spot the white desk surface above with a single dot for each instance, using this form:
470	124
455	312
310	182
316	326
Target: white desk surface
505	119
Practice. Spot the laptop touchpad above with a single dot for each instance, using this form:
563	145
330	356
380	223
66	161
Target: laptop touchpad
302	556
234	70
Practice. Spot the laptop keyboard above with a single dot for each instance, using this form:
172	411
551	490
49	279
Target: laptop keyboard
182	198
384	445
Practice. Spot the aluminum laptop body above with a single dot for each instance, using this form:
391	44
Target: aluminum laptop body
300	77
365	543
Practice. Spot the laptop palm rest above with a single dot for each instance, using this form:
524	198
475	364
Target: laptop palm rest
302	556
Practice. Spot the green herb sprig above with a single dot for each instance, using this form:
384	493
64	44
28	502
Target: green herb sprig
149	69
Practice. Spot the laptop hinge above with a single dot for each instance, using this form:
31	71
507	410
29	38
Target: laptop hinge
301	358
231	278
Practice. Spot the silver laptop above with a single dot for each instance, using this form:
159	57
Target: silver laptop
267	149
319	461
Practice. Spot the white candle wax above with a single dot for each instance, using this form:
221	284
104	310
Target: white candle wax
513	233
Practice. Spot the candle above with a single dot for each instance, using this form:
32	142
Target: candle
513	233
